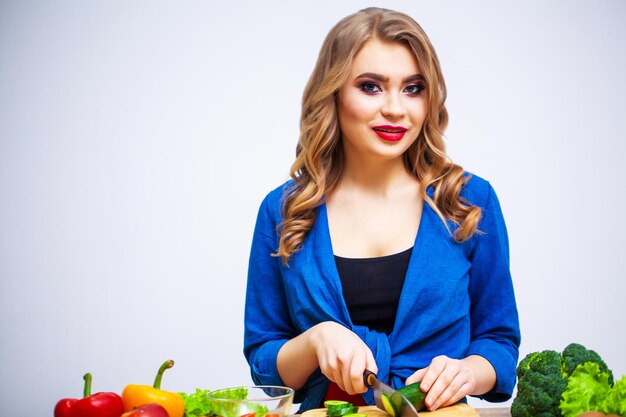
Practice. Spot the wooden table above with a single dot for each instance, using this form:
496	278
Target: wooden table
494	412
483	412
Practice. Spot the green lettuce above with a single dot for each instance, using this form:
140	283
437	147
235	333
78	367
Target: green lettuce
615	401
200	404
197	404
587	388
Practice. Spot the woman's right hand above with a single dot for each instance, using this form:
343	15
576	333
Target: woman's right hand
342	356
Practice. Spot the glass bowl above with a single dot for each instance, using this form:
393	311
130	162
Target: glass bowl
252	401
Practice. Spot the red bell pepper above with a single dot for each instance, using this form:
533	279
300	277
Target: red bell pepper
101	404
150	410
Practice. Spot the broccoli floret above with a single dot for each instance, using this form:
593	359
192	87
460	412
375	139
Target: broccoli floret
539	396
575	354
543	379
540	385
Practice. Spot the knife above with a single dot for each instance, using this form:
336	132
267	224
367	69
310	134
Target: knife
387	399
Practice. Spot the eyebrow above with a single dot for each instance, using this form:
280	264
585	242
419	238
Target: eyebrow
381	78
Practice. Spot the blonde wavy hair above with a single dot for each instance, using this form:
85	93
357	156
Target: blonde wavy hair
319	153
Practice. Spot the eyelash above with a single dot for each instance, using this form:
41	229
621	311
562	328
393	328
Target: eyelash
366	87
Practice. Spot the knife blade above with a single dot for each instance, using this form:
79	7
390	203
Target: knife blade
387	399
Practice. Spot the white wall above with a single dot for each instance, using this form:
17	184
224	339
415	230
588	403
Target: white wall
138	138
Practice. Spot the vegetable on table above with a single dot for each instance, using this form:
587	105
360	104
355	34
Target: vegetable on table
412	393
197	404
200	404
340	408
389	405
150	410
615	401
230	408
587	387
101	404
576	354
135	396
330	403
567	384
596	414
540	385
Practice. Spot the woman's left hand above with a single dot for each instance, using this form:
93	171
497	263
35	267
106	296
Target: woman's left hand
446	380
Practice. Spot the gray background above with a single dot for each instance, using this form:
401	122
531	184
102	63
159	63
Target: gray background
137	140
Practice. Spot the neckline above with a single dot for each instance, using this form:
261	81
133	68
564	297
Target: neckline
325	258
430	232
376	258
322	220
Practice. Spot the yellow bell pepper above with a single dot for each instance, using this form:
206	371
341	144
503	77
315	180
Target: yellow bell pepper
135	396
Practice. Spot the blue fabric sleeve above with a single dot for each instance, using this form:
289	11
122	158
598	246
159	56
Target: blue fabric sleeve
266	318
495	333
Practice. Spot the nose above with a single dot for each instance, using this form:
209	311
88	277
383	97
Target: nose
392	107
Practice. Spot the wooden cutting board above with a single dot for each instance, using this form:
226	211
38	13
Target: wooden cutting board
457	410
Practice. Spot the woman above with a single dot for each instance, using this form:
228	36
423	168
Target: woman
380	253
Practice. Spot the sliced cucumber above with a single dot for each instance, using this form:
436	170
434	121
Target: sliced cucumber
388	405
330	403
341	410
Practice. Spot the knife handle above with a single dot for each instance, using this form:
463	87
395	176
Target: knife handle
368	378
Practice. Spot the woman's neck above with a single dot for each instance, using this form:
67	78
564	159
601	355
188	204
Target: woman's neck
381	177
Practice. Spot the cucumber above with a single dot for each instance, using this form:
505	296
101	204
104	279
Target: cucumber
330	403
390	407
341	410
398	401
414	394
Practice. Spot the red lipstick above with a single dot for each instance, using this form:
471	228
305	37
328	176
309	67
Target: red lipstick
390	133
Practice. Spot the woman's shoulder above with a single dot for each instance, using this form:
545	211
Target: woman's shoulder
274	199
476	190
278	194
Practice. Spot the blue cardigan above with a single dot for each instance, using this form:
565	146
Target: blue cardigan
457	298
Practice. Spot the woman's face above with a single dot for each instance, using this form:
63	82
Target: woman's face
382	105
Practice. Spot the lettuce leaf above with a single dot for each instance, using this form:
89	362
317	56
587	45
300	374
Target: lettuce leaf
240	393
197	404
201	404
586	390
615	401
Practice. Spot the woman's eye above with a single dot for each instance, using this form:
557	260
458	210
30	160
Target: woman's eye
414	89
370	88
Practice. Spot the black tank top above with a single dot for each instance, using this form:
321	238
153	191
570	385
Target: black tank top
372	286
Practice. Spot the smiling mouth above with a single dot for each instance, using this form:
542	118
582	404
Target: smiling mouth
390	133
390	130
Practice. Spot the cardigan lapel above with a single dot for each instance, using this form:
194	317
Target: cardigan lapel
415	273
325	258
436	282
